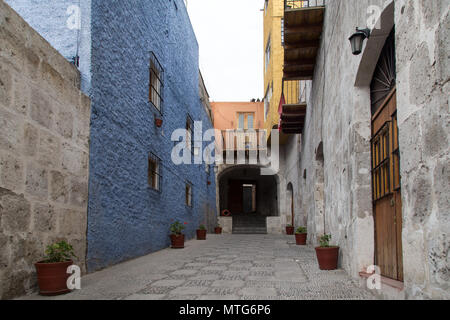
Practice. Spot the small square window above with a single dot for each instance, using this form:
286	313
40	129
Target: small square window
188	194
154	172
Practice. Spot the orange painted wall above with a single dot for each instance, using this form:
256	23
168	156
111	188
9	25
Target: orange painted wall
225	113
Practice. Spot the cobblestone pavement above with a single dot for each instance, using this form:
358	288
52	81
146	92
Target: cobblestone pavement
224	267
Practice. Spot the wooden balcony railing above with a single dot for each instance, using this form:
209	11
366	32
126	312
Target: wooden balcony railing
243	140
298	4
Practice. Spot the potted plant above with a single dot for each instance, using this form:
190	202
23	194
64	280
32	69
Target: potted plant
158	122
327	255
300	236
201	233
52	272
218	229
177	236
290	229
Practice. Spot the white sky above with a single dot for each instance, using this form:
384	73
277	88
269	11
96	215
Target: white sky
230	36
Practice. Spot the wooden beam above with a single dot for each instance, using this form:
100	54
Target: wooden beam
301	63
306	44
298	75
295	109
303	29
293	118
294	125
290	131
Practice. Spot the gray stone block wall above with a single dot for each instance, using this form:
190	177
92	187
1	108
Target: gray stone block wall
339	117
423	46
44	153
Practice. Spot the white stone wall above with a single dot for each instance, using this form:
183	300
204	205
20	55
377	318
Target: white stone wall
44	153
423	87
339	116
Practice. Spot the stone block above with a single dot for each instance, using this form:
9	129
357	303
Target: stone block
36	183
59	187
10	131
64	123
79	192
4	251
41	108
31	139
74	160
11	172
72	223
44	218
5	86
49	149
15	211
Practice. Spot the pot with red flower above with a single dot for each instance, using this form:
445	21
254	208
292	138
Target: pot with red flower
201	233
177	236
158	122
290	230
300	236
218	229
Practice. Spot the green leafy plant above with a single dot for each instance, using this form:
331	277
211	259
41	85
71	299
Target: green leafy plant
325	240
202	227
301	230
289	225
59	252
177	228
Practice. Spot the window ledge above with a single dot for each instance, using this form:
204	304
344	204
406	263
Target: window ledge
387	281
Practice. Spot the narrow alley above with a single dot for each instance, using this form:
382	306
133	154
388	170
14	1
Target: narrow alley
224	267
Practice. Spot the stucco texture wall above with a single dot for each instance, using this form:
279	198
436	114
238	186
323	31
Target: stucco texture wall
44	152
339	117
126	217
423	74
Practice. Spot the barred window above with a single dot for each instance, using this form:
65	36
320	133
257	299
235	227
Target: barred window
189	133
154	172
156	84
188	194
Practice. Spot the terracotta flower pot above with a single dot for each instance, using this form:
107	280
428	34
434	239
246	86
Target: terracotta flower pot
201	234
300	238
52	277
177	241
290	231
158	122
327	257
218	230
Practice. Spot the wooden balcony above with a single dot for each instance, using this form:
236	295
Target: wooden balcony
243	140
293	110
302	31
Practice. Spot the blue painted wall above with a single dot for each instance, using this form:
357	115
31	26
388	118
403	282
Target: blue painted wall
126	218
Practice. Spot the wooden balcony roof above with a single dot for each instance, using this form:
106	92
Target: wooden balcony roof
302	32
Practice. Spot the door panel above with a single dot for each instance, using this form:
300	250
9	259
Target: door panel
386	190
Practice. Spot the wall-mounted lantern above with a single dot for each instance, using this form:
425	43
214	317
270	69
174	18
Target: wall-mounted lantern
357	40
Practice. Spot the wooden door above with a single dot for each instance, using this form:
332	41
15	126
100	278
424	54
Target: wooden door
386	189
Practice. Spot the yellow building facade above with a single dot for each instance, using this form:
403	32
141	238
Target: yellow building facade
273	61
273	67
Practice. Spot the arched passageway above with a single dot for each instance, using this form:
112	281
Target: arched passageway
249	196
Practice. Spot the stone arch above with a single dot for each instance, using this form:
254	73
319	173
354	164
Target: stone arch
290	203
269	185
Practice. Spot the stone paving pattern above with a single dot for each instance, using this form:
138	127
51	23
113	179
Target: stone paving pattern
224	267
